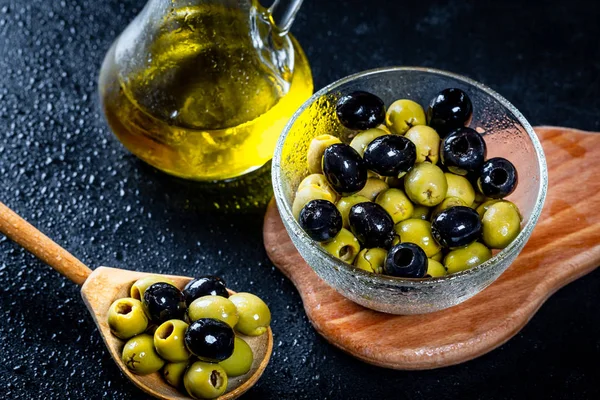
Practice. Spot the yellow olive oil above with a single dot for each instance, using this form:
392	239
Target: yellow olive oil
205	105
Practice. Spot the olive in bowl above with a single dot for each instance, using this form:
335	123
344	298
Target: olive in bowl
321	220
490	113
360	110
498	178
403	114
406	260
449	109
456	226
344	168
463	151
372	225
390	155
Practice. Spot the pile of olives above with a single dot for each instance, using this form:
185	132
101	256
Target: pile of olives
412	194
189	334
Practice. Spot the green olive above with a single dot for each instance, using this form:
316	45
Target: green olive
216	307
418	232
139	287
140	356
425	184
485	205
169	341
459	186
320	181
435	269
438	257
373	187
427	142
316	148
396	203
362	140
466	257
371	260
420	212
345	204
126	318
254	314
173	373
446	204
204	380
404	114
240	361
501	224
309	193
490	202
344	246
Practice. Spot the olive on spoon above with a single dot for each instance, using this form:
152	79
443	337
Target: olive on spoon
99	288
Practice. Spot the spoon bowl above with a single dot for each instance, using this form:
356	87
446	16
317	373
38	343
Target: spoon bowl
101	287
106	285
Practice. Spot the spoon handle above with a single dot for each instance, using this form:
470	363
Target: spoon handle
41	246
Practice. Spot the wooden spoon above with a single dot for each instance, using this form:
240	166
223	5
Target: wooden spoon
99	288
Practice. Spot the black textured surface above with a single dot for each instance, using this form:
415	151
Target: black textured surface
62	170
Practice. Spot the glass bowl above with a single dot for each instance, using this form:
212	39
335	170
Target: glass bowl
506	132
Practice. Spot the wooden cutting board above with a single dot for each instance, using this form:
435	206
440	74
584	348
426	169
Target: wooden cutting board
564	246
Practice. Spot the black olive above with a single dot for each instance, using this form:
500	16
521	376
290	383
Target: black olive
456	226
204	286
372	225
406	260
321	220
210	339
360	110
449	110
498	178
389	155
344	169
163	302
463	151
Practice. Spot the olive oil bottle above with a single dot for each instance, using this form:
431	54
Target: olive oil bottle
203	91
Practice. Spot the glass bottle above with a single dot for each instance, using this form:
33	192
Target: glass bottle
201	89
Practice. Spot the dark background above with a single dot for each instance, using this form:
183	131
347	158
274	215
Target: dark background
62	170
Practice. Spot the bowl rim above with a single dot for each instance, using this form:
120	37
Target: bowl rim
293	226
